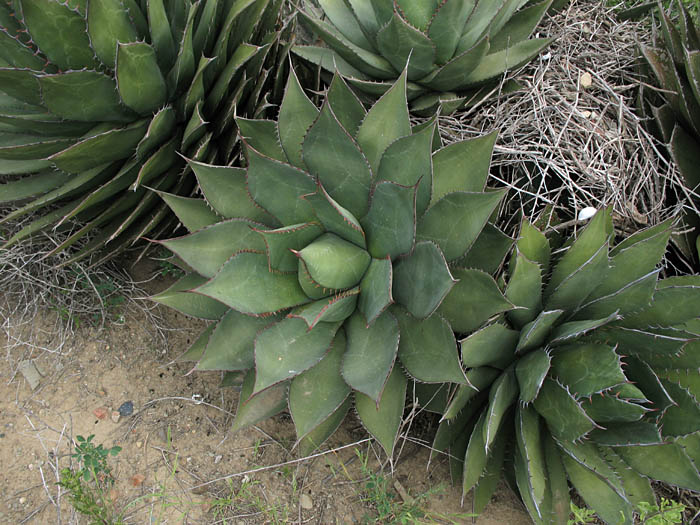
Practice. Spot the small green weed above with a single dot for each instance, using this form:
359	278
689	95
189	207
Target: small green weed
248	499
166	268
668	513
377	493
88	487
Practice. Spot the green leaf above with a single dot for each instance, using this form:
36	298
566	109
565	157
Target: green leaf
262	136
16	53
575	288
536	332
588	244
21	84
161	34
334	157
667	462
109	26
31	186
204	250
345	105
479	380
488	483
335	218
297	114
419	14
224	188
519	26
383	420
179	297
316	437
683	418
531	445
493	345
502	394
494	64
115	144
637	487
318	392
245	284
432	397
60	33
586	369
676	300
473	300
390	223
370	355
566	420
488	251
334	263
329	309
232	344
476	456
183	70
407	161
606	409
558	484
575	329
533	244
342	17
397	41
287	348
278	188
368	62
625	301
447	25
524	289
281	244
253	409
597	494
422	280
27	147
194	214
195	352
159	131
375	289
141	84
385	122
456	220
428	350
96	91
455	74
462	166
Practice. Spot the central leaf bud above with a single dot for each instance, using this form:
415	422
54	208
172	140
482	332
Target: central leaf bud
332	263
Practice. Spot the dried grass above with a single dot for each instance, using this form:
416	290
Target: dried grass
570	146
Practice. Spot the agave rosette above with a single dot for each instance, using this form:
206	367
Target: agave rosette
455	46
337	261
98	96
675	63
592	379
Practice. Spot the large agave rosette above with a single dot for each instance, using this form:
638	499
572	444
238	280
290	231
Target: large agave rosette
455	46
334	263
592	379
97	97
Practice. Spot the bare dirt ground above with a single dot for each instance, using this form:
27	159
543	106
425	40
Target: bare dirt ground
179	461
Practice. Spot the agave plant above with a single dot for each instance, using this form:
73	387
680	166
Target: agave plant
675	62
336	272
98	96
455	46
592	379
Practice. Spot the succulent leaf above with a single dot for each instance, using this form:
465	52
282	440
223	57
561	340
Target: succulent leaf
261	406
191	304
375	289
493	345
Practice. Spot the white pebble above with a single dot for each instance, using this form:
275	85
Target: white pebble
586	213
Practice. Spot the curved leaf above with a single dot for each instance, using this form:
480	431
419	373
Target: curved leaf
178	296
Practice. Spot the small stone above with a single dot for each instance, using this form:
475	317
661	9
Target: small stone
115	416
30	466
217	459
305	502
2	435
100	413
126	409
585	80
139	444
22	500
30	372
586	114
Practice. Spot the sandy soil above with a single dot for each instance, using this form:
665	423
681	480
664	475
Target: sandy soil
179	461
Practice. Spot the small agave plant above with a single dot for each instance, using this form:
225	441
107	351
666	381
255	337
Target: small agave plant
98	96
336	264
593	378
675	62
455	46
